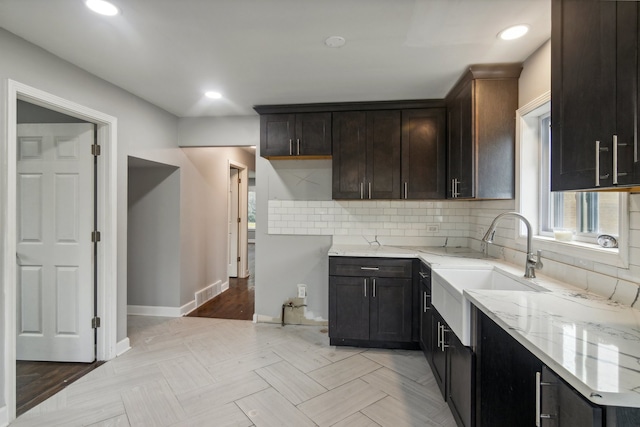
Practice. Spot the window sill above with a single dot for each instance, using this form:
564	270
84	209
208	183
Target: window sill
611	256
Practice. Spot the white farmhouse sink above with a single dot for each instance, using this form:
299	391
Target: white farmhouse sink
447	293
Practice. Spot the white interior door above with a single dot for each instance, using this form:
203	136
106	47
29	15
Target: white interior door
233	222
55	218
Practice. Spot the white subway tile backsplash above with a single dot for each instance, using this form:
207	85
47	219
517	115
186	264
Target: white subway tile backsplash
403	222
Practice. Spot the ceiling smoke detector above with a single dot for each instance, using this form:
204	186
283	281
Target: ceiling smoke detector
335	41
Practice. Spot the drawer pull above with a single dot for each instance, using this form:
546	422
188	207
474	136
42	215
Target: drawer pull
365	288
370	268
424	275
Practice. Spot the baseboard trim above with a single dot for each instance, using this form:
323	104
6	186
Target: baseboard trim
123	346
149	310
4	417
224	286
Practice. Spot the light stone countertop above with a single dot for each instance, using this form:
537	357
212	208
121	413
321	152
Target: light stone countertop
592	342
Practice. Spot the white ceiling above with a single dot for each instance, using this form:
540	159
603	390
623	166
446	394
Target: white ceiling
272	51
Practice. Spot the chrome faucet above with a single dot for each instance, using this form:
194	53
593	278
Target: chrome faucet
532	262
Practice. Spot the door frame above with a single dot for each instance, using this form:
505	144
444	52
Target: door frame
106	197
243	251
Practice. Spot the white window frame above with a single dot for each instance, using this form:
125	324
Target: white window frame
528	201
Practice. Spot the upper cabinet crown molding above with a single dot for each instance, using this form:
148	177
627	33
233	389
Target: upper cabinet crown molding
349	106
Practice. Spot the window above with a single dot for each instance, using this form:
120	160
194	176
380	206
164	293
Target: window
585	215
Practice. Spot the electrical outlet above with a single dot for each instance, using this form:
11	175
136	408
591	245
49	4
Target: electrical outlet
434	228
302	291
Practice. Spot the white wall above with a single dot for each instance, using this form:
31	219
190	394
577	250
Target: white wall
535	78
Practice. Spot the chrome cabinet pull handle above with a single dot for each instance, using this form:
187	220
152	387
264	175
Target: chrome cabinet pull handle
365	288
406	190
298	141
291	147
362	190
374	288
369	189
615	159
370	268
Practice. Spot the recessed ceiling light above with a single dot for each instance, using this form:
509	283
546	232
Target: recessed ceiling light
102	7
335	41
213	95
514	32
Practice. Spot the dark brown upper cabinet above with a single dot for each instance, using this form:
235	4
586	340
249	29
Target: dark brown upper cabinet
295	135
481	132
366	155
424	145
595	87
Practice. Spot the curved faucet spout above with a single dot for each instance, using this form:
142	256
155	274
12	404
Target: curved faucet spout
532	261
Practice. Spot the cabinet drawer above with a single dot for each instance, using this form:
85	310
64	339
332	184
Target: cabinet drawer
370	267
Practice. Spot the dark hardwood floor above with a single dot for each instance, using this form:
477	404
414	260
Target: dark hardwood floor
237	302
37	381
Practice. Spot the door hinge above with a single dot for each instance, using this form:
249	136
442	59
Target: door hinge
95	149
95	323
239	180
95	236
238	220
238	259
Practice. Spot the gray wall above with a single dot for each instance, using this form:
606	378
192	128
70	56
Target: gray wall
153	276
282	262
144	131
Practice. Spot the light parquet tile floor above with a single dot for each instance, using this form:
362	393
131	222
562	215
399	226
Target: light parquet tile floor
217	372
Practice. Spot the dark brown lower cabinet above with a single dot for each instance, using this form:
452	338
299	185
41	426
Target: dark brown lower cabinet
562	406
514	388
371	302
460	382
453	366
438	360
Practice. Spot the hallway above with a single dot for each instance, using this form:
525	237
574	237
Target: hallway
237	302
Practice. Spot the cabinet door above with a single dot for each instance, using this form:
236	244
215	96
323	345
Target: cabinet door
583	89
628	92
439	356
426	319
460	178
277	133
505	377
564	406
313	134
390	309
349	154
349	308
460	381
383	155
423	154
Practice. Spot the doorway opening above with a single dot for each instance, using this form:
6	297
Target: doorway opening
236	301
56	278
24	192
